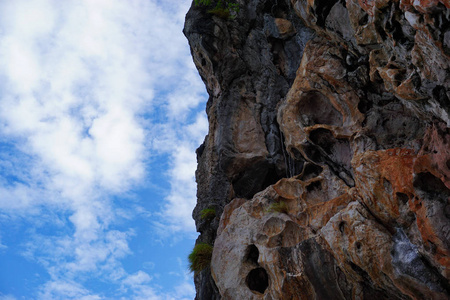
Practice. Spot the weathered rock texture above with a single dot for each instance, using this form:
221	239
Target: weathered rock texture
339	111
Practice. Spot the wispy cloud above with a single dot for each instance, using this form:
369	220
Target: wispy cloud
79	83
7	297
65	289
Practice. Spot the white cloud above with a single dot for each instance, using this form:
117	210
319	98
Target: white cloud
198	129
88	136
78	79
137	279
184	291
138	283
17	197
188	95
177	214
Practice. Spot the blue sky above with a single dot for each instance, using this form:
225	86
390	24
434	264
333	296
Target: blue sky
101	110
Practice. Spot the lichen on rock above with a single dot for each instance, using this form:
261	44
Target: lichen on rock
340	112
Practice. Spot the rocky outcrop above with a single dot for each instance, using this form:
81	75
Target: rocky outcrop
328	153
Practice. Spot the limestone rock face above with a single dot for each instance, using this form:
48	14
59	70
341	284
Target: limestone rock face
328	153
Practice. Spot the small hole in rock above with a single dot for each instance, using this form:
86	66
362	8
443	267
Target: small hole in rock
342	227
252	254
448	164
364	20
315	185
258	280
402	197
358	245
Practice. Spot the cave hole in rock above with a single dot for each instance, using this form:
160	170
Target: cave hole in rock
311	171
431	187
255	179
252	254
257	280
272	176
315	108
402	197
314	186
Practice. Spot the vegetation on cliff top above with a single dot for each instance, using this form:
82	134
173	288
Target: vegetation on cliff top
223	8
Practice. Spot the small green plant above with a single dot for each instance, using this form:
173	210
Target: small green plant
226	9
279	206
208	213
200	257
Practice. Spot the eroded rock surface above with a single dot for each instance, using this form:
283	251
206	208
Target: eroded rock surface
328	153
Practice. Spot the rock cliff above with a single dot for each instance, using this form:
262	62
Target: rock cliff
327	160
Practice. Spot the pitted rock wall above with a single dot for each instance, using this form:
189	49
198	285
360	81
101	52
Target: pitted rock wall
328	153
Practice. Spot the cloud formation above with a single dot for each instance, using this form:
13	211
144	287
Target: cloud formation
81	81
